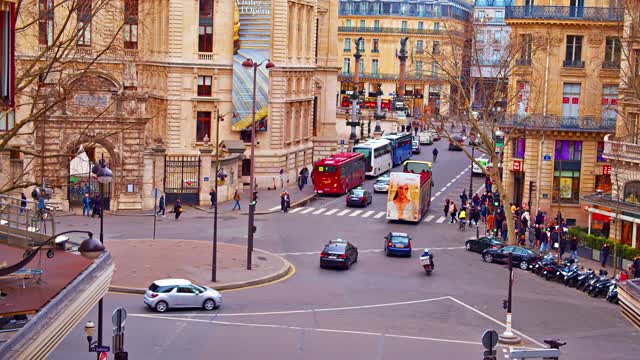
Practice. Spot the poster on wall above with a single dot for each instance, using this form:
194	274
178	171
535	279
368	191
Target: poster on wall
565	188
251	40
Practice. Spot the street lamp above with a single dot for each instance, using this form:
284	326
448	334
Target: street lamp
249	63
379	115
214	254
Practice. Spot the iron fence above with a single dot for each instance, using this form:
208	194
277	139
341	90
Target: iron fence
564	13
182	179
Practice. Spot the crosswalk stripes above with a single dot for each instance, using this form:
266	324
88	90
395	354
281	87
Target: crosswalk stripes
441	220
343	212
307	210
379	215
331	212
355	213
293	211
429	218
368	213
319	211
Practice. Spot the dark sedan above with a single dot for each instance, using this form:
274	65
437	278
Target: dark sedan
338	253
521	257
454	141
480	245
359	197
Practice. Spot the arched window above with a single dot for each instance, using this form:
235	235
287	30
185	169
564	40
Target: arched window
632	192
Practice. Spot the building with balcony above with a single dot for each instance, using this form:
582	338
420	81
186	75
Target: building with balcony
622	147
432	28
152	95
489	52
565	88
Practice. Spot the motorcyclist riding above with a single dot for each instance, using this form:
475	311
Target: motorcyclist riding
435	154
427	253
462	216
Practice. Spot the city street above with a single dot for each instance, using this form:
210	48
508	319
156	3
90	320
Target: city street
382	308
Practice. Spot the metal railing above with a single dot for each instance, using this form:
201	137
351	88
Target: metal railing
611	65
580	123
617	150
394	76
523	62
564	13
394	30
461	10
573	63
487	20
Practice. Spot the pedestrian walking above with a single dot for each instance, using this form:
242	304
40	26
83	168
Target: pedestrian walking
453	213
463	198
544	241
446	207
236	199
23	203
604	254
97	205
177	208
532	238
573	247
563	246
503	231
86	205
214	198
282	202
487	184
161	206
299	182
287	201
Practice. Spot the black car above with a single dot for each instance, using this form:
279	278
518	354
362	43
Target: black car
359	197
454	141
521	257
338	253
483	243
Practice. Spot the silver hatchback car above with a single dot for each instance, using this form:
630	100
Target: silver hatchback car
179	293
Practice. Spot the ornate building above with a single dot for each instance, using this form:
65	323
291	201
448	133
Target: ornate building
433	28
566	85
142	85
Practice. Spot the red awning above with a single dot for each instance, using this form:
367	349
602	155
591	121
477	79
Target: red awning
600	217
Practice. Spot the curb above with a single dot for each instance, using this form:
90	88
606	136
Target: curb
283	272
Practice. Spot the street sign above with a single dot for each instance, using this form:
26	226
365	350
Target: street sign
517	165
606	170
341	142
206	178
103	349
119	317
547	157
489	339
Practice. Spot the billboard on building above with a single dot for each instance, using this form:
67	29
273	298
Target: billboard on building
251	40
403	202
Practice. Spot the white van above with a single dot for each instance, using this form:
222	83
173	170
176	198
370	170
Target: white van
424	138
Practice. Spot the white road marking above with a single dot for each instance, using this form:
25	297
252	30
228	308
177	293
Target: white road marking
438	193
355	213
429	218
319	211
343	212
458	177
295	210
449	184
330	212
433	198
379	215
368	213
274	208
443	189
307	210
441	220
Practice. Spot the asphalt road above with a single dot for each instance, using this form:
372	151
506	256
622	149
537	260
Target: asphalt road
382	308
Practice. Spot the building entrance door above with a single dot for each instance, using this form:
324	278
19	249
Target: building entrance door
182	179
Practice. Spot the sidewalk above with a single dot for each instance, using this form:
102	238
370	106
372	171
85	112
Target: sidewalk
190	260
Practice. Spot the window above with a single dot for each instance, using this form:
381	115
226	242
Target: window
204	85
480	36
603	183
497	36
185	290
7	120
634	122
612	52
348	24
347	45
609	102
636	66
500	14
374	45
419	45
361	70
203	125
600	151
376	24
566	186
130	24
632	192
45	22
346	66
404	25
436	48
84	23
205	29
568	150
434	70
420	25
361	46
527	43
436	26
574	49
518	148
374	66
362	24
418	68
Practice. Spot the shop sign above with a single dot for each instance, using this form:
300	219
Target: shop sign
517	165
606	169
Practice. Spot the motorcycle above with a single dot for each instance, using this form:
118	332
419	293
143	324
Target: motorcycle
562	270
584	278
601	288
612	294
602	276
539	266
571	279
426	260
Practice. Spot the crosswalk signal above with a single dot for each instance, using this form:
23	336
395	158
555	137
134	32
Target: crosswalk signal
254	229
255	199
496	200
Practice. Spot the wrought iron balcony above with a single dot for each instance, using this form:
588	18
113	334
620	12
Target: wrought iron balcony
488	20
617	150
409	76
611	65
579	123
419	51
523	62
392	30
346	50
564	13
573	64
459	10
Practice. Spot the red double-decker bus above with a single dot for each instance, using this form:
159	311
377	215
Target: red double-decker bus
339	173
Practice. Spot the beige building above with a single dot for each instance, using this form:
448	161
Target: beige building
149	104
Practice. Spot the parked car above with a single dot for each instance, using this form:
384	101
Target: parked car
483	243
397	243
359	197
454	141
425	138
415	147
475	169
435	136
381	184
521	257
179	293
338	253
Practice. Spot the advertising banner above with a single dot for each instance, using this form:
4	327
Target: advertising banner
251	40
403	201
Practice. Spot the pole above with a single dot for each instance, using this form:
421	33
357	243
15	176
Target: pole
473	152
100	306
252	180
508	337
214	254
155	214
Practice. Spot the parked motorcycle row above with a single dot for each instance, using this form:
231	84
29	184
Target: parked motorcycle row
571	274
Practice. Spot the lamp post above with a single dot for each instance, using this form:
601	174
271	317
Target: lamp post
214	254
105	176
379	115
249	63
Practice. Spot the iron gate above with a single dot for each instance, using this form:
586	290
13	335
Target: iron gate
182	179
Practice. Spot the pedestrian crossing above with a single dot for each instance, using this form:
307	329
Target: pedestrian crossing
361	213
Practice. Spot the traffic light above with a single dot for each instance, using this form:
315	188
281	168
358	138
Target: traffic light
254	229
505	304
532	186
496	200
255	199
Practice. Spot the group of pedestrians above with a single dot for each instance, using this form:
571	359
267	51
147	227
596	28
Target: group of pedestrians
92	205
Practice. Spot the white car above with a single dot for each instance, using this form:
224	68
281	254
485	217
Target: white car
424	137
179	293
381	184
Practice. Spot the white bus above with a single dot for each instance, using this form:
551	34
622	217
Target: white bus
377	154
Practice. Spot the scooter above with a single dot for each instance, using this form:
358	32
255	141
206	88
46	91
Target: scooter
567	266
602	276
426	260
612	294
601	288
571	279
584	278
539	266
